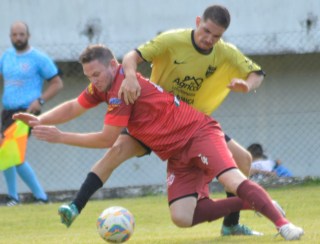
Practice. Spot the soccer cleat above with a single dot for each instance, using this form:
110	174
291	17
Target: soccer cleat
68	213
290	232
12	201
238	230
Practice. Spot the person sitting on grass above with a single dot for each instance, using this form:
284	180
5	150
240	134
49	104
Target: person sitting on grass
263	165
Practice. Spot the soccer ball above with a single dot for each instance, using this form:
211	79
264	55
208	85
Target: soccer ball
115	224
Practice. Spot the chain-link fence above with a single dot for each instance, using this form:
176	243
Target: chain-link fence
283	115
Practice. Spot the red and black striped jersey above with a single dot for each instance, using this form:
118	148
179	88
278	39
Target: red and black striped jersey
157	118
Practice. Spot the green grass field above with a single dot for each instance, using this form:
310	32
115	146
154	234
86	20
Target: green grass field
40	223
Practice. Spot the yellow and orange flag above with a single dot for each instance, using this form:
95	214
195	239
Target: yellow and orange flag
13	148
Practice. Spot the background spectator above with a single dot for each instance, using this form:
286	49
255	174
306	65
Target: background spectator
24	69
262	165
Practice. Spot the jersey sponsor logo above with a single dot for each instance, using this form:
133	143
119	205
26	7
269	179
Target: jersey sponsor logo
113	103
186	100
189	83
210	70
178	62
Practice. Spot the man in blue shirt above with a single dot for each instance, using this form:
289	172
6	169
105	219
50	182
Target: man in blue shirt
24	70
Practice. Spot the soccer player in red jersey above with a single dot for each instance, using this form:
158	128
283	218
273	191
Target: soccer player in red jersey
200	68
193	144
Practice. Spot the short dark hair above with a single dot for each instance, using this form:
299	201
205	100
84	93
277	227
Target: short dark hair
217	14
96	52
256	150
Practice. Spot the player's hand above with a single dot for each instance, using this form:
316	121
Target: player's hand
47	133
130	89
29	119
239	85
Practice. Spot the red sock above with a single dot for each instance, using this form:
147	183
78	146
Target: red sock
208	210
260	201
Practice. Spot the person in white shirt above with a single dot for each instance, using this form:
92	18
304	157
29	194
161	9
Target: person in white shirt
264	166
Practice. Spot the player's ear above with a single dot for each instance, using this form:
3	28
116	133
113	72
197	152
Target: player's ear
198	20
114	64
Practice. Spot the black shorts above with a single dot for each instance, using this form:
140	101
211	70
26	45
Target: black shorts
227	138
148	149
6	118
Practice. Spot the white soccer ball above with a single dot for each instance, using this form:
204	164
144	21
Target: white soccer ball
115	224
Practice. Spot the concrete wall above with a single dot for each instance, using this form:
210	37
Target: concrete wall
64	28
283	115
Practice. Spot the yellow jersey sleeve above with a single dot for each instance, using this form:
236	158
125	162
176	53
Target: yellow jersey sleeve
198	78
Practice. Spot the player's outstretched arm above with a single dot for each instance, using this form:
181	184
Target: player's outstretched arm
59	114
62	113
101	139
29	119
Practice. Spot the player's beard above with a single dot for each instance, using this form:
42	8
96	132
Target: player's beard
20	45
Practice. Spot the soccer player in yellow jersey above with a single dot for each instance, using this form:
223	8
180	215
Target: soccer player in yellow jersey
201	69
200	77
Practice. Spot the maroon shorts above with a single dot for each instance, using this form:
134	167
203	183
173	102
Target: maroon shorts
204	157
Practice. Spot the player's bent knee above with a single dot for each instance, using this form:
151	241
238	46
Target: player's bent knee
127	147
182	210
231	179
115	150
120	152
181	220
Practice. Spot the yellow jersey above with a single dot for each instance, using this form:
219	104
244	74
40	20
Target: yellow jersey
198	78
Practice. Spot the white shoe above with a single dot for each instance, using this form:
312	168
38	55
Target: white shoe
291	232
